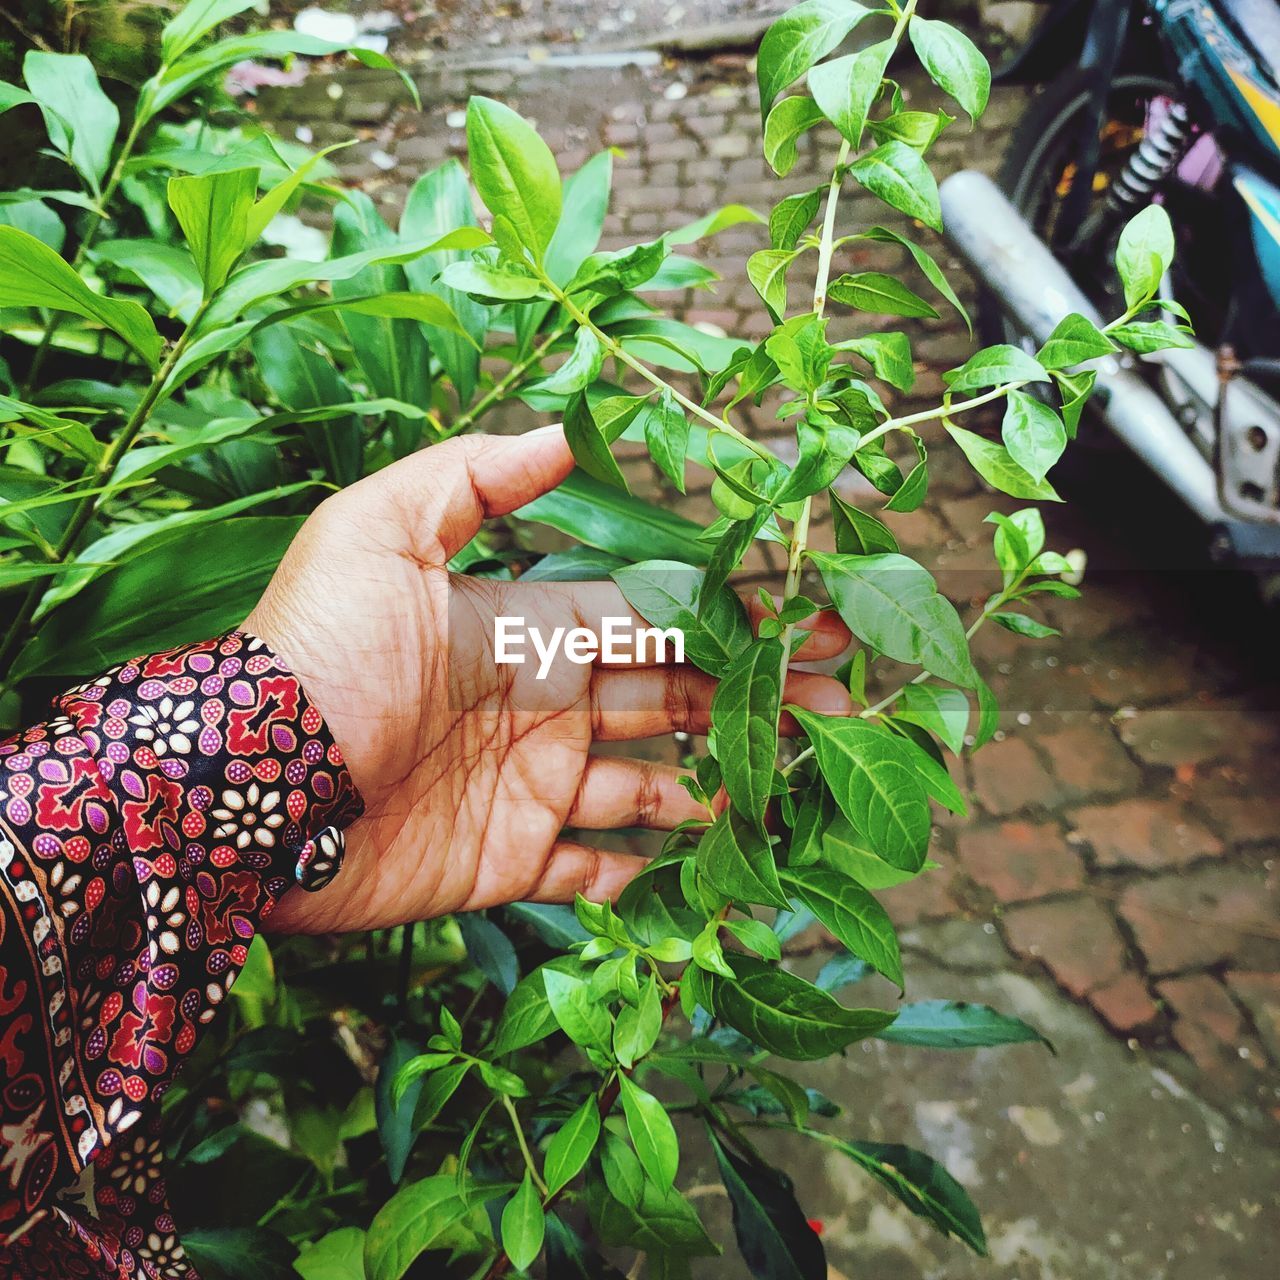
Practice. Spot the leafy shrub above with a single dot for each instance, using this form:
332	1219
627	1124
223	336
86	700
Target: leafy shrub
500	1088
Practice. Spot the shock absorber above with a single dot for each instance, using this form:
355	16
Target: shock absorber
1162	147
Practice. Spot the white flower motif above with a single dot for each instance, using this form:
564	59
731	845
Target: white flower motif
163	918
249	817
138	1165
164	1253
166	725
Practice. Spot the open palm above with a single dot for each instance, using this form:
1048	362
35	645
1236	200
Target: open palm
471	769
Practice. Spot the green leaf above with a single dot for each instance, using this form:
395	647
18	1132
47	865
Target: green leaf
888	354
892	603
767	271
239	1253
527	1016
851	914
652	1133
661	1223
667	593
164	597
166	269
988	714
995	465
953	1024
1146	336
800	350
571	1146
590	448
791	217
737	862
569	1257
605	517
787	1015
339	1255
523	1225
797	40
1074	390
1033	434
954	63
928	267
857	532
879	293
491	283
872	778
1144	253
788	121
944	712
32	275
920	1183
918	129
81	120
710	224
744	713
638	1026
825	447
994	366
915	488
845	88
422	1215
1021	625
274	201
194	21
841	971
581	1018
1073	341
666	432
898	176
438	202
514	172
489	949
395	1116
213	211
774	1236
579	370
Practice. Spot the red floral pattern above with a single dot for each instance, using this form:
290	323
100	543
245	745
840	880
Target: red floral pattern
145	831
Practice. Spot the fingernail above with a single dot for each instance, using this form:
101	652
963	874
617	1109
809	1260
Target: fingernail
546	431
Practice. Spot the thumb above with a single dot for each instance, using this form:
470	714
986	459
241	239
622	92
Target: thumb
448	489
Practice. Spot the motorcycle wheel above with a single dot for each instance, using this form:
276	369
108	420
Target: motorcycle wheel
1036	176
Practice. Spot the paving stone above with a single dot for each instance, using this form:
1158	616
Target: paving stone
1260	994
1210	1029
1142	832
1074	938
1125	1004
1200	733
928	897
1241	803
1019	861
1204	917
1008	777
1088	760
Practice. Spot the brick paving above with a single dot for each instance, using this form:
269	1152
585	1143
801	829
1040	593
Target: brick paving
1127	818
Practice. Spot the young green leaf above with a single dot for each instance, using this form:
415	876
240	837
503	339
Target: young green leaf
898	176
888	354
845	88
944	712
418	1216
213	211
1033	434
579	371
791	217
995	465
851	914
1146	336
571	1146
638	1026
892	603
875	784
788	120
1073	341
491	283
767	271
581	1018
666	432
994	366
800	350
1144	253
514	172
954	63
652	1133
857	532
80	119
797	40
523	1225
590	448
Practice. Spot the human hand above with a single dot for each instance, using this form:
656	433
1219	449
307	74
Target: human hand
470	769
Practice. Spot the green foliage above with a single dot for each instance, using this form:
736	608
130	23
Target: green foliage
174	378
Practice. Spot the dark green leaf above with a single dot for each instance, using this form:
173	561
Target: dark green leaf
851	914
739	863
666	431
590	448
652	1133
953	1024
898	176
858	532
490	950
744	712
395	1117
523	1225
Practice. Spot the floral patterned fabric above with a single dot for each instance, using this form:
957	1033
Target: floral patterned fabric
145	831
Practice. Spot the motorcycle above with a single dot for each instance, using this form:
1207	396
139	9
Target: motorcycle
1175	101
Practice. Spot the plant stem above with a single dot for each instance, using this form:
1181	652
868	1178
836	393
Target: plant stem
86	243
524	1146
100	481
499	389
615	349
